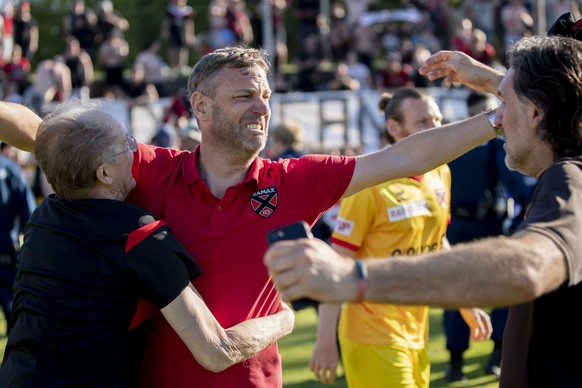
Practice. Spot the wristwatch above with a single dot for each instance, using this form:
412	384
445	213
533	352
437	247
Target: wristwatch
490	114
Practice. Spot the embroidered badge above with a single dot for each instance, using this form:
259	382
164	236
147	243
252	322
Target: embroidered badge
264	201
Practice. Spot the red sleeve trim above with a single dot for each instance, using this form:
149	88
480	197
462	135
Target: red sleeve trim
344	244
140	234
145	309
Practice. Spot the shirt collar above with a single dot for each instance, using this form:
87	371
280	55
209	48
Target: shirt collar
191	172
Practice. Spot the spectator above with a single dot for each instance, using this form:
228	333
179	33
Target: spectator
359	71
218	35
80	65
107	21
307	15
481	50
177	113
112	56
482	15
463	38
138	92
308	61
516	20
7	29
342	80
287	140
366	43
25	30
239	22
156	70
52	82
17	70
396	74
340	34
80	22
16	204
178	32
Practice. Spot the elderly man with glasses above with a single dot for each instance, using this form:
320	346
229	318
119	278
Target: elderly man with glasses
88	258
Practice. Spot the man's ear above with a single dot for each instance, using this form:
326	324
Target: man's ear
537	115
199	105
393	128
103	174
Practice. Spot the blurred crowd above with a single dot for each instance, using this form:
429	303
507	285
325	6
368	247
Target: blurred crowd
352	45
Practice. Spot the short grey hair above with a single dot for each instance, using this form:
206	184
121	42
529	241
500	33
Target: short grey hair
71	143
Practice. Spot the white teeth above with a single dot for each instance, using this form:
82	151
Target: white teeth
253	126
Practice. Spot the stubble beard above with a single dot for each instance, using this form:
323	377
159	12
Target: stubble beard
230	138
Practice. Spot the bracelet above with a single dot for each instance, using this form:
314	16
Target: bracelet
362	279
490	114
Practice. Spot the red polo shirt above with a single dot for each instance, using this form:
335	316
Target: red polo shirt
226	237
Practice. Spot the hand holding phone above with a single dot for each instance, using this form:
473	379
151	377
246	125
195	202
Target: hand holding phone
293	231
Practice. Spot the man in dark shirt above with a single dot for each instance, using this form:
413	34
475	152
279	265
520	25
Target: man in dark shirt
538	270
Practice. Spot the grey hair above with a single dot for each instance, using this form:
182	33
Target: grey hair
71	143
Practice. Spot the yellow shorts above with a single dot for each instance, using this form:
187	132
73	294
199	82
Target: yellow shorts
379	366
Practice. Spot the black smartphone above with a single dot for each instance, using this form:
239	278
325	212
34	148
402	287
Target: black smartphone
293	231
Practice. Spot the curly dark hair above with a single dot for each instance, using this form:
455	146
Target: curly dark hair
548	72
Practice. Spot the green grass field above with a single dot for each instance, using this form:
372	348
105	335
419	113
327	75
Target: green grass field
296	352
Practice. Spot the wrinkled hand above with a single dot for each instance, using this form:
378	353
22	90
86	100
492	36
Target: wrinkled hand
458	67
311	268
479	323
324	361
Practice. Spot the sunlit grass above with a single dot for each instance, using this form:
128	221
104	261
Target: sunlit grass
296	351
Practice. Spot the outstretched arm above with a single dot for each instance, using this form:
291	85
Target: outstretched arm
214	347
18	125
490	272
458	67
420	152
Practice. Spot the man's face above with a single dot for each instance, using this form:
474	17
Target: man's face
516	117
418	115
240	111
123	179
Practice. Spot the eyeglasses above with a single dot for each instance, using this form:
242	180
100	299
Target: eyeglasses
131	145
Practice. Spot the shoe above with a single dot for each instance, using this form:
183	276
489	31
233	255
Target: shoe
455	372
493	366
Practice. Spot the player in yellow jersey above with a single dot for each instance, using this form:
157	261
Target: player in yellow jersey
386	345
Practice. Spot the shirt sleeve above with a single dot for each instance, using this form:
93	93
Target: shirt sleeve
162	267
556	212
318	181
355	216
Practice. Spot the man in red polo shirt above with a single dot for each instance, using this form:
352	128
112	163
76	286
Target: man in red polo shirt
222	198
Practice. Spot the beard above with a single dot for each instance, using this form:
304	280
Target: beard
230	136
